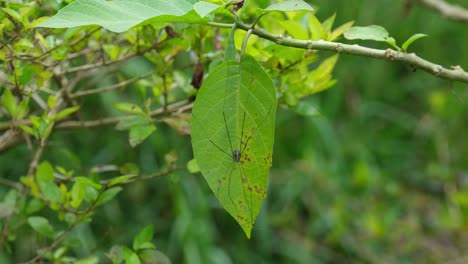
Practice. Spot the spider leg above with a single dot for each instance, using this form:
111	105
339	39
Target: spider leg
246	185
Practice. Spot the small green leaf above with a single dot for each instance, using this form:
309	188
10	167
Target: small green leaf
328	24
22	109
392	42
41	225
9	204
131	121
27	130
316	28
35	205
120	179
129	108
291	5
373	32
411	40
45	171
36	22
13	14
154	256
51	101
9	102
45	180
88	260
339	30
130	256
108	195
88	182
192	166
143	238
65	112
78	193
50	190
139	133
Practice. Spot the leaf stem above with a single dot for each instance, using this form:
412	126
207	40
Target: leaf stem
244	42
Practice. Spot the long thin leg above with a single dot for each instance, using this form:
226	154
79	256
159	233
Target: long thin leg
227	131
229	192
244	182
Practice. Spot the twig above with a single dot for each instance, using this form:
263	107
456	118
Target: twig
452	12
455	74
56	242
110	87
114	120
161	173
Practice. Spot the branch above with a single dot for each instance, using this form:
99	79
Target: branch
114	120
111	87
456	73
12	136
452	12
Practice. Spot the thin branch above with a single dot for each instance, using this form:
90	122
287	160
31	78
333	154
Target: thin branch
153	175
110	87
452	12
456	73
114	120
54	244
117	61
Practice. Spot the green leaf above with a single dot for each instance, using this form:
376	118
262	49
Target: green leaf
127	123
65	112
51	101
130	256
411	40
339	30
205	8
34	206
154	256
139	133
234	113
120	179
88	260
391	41
316	28
143	239
45	171
192	166
291	5
129	108
50	190
328	24
78	193
117	16
45	180
9	204
13	14
9	102
22	109
41	225
373	32
88	182
27	129
108	195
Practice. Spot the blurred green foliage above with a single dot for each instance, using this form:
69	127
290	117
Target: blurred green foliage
379	176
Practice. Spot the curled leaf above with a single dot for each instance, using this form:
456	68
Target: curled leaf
411	40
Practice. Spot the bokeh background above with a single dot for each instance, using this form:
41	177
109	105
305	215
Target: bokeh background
381	176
